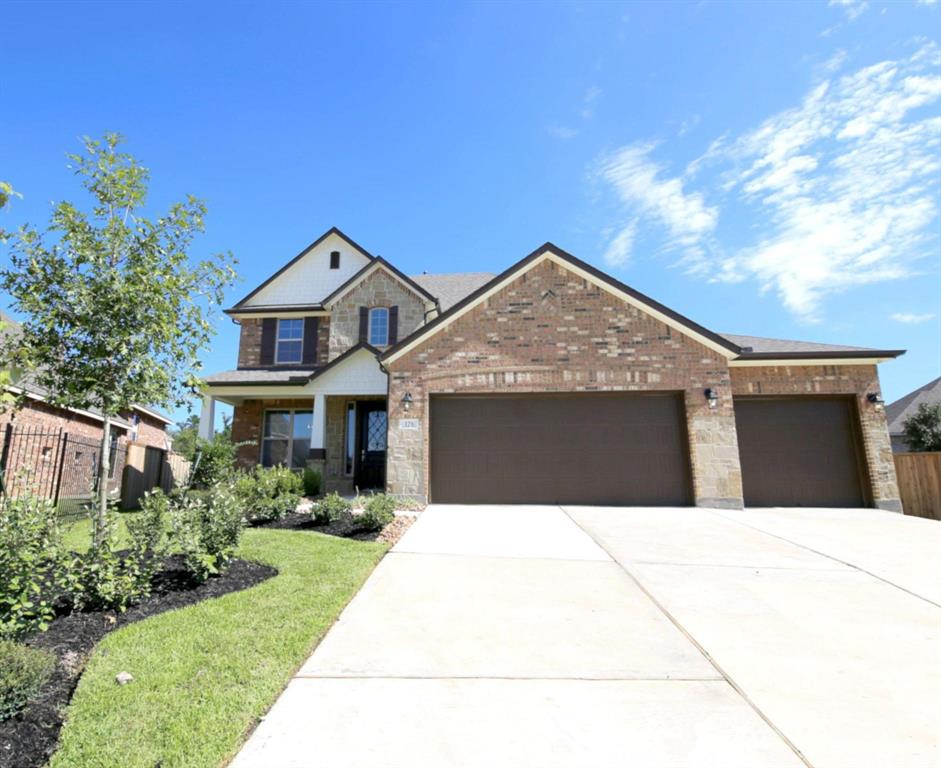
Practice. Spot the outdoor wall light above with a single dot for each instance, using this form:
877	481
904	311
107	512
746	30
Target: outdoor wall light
406	401
876	399
712	397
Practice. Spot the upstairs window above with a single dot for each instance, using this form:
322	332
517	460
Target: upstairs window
379	326
334	259
290	341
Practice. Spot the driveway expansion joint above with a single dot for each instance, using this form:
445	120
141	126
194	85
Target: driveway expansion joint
686	633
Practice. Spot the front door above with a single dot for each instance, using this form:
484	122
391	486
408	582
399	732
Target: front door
372	422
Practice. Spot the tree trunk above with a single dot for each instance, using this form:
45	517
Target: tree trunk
99	522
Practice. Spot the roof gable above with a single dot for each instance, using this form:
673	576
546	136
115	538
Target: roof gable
307	278
549	251
377	263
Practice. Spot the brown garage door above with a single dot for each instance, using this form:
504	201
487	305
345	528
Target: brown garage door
585	448
799	452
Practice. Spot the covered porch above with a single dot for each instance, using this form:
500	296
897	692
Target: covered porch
333	420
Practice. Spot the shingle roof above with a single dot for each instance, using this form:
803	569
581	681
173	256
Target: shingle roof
898	412
449	289
261	376
761	344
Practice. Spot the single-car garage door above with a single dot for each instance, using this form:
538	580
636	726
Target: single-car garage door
799	452
578	448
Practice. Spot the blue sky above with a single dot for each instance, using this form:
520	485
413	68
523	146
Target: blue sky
766	168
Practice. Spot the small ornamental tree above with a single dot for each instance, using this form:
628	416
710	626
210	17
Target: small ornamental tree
922	429
116	312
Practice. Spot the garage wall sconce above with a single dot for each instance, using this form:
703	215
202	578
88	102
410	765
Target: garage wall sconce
712	397
876	399
406	401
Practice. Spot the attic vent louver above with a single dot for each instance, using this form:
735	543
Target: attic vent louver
334	259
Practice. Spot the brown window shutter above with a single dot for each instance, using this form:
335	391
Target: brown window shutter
309	355
363	324
269	329
393	325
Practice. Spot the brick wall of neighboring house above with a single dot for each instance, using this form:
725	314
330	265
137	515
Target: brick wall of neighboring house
247	424
551	330
250	341
377	290
36	415
856	380
150	431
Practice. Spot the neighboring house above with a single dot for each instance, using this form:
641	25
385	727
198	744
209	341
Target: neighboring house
902	409
551	382
31	435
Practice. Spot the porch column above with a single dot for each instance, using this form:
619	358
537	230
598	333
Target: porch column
318	427
207	418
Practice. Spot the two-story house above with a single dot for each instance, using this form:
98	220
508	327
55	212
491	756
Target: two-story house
551	382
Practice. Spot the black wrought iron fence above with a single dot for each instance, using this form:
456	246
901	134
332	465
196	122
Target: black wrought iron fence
58	465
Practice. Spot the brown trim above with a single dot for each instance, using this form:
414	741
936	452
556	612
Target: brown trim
402	277
576	262
332	231
275	308
862	354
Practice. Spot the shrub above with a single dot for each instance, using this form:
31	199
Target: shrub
206	529
102	579
378	512
330	509
214	462
32	564
269	493
23	670
312	480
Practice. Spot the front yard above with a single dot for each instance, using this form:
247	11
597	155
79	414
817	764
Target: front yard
204	674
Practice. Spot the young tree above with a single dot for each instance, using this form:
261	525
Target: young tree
116	310
922	429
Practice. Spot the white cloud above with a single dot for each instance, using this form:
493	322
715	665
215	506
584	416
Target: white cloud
561	132
640	186
912	318
926	2
618	252
591	96
853	8
841	189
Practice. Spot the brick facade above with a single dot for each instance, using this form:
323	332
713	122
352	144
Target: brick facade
855	380
377	290
30	453
250	341
551	331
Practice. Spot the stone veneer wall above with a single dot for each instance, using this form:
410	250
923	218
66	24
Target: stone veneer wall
856	380
377	290
549	331
250	341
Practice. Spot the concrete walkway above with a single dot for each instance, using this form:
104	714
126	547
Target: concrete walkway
517	636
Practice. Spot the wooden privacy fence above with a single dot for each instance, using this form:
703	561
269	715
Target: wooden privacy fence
147	468
919	478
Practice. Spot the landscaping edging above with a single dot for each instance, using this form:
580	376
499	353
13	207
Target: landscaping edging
301	521
29	739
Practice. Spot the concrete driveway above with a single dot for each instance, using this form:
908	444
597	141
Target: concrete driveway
543	636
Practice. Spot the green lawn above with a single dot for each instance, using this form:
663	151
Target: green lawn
77	535
205	673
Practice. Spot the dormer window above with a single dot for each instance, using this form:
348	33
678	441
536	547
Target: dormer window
379	326
290	341
334	259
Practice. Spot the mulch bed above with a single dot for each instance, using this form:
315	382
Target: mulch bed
29	739
301	521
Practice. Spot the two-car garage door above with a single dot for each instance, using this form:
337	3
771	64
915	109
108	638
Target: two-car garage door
572	448
631	449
